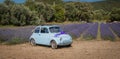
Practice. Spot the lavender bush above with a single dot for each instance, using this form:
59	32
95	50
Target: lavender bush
75	30
6	34
106	33
69	27
116	28
21	33
91	32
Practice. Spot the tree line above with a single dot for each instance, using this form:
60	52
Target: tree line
35	12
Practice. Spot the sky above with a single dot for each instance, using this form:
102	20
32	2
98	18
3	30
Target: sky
17	1
22	1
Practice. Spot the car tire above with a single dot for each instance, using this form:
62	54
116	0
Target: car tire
53	45
32	42
69	45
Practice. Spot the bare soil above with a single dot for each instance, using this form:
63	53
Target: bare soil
79	50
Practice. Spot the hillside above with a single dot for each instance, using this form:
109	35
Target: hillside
106	5
43	11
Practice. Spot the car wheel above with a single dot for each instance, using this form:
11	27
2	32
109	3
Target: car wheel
32	42
69	45
53	45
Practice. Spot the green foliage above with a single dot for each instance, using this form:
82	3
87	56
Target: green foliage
15	41
2	40
112	0
9	2
109	38
89	37
59	14
100	15
73	36
77	11
108	10
35	12
106	5
50	1
115	15
15	14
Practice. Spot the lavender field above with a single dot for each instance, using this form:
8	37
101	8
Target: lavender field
20	33
108	31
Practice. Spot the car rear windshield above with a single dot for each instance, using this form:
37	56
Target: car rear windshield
55	29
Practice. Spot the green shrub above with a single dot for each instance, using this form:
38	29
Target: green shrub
88	37
109	38
73	36
2	40
15	41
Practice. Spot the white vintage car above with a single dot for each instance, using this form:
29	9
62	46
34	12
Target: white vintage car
50	35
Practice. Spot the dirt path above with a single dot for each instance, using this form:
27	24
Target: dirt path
79	50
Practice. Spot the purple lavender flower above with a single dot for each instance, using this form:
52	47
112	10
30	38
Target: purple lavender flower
116	28
106	33
91	32
8	34
76	29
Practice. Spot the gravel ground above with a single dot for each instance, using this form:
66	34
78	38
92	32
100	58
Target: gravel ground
79	50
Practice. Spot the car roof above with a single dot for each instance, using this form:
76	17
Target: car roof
48	26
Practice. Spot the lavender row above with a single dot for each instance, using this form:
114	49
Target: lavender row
6	34
116	28
76	29
21	33
69	27
91	32
106	33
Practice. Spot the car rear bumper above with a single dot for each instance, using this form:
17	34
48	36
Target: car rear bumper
65	42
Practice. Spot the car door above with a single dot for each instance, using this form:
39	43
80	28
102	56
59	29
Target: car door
44	35
36	35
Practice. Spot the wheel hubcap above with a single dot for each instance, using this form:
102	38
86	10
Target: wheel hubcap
32	42
53	45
